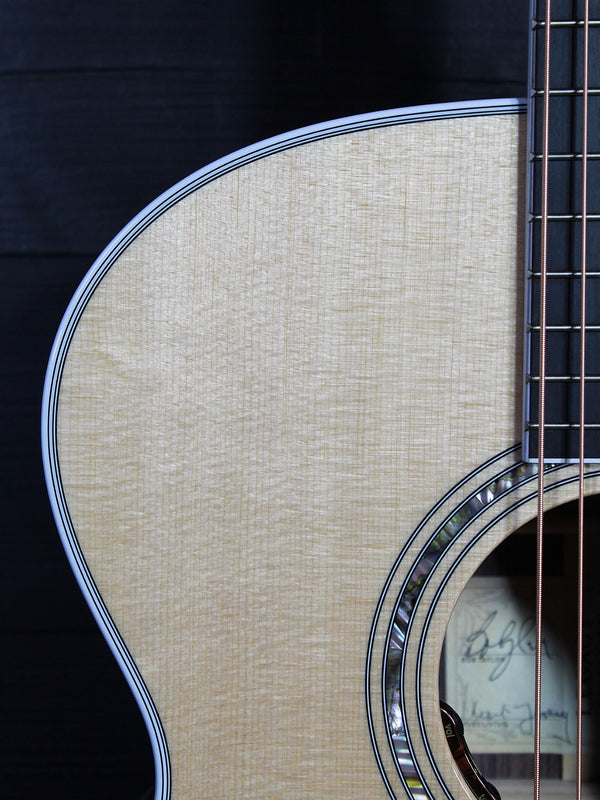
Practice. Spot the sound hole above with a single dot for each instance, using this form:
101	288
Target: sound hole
487	667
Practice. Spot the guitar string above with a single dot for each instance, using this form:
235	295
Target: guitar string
541	409
582	323
541	406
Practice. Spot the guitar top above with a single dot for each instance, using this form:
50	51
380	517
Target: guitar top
282	422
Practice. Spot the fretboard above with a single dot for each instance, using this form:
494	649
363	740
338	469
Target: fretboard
564	234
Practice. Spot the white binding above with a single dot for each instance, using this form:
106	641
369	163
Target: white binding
78	303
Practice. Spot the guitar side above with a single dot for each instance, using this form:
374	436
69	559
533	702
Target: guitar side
262	388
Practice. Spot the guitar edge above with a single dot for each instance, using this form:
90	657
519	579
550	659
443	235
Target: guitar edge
258	394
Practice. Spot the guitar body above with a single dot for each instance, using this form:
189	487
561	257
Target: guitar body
267	399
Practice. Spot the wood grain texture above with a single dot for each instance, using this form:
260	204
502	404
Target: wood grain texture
105	104
266	394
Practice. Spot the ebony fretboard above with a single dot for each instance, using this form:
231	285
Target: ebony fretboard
564	262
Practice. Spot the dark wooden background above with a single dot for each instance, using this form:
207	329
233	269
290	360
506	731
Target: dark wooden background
103	105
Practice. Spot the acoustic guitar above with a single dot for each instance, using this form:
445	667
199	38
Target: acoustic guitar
292	408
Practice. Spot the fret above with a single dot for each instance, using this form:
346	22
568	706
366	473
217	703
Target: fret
564	426
565	157
566	60
564	23
565	92
564	379
564	238
565	328
565	131
565	217
564	274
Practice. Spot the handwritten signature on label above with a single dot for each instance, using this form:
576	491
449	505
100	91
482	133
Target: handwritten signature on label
517	719
490	662
516	638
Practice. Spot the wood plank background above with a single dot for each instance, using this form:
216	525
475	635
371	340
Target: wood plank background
103	105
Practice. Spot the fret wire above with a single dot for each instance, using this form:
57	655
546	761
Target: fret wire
564	217
564	23
532	274
565	157
555	426
565	92
565	328
564	378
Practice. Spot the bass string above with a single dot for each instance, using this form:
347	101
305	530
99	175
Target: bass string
541	405
582	384
542	399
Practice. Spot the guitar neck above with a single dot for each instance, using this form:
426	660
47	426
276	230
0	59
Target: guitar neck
563	230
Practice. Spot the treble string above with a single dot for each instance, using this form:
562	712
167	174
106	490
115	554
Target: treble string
541	405
582	323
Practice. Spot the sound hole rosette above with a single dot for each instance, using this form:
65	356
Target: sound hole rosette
416	604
